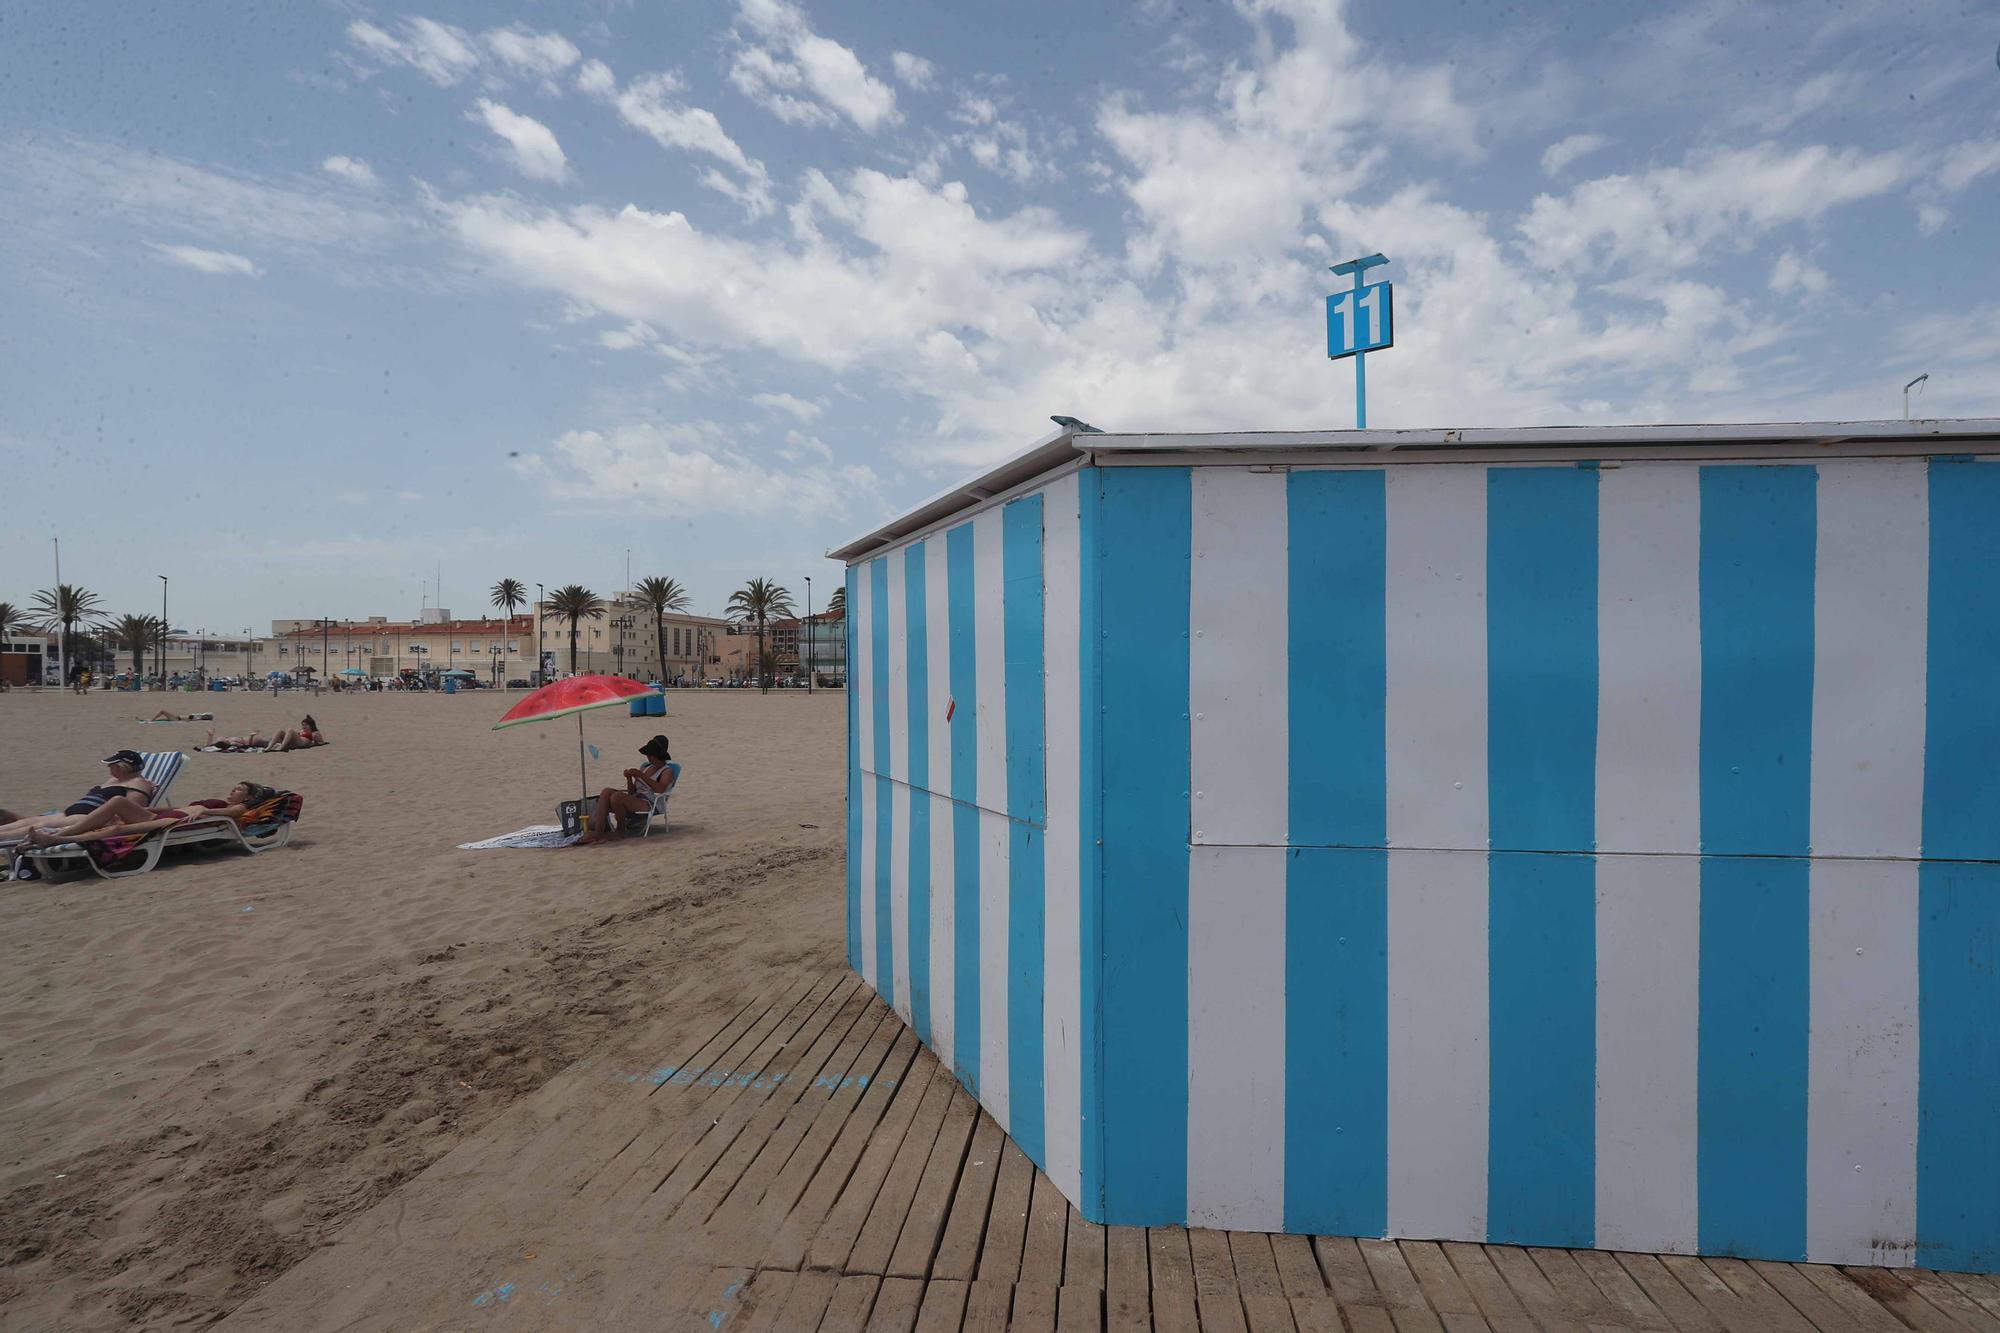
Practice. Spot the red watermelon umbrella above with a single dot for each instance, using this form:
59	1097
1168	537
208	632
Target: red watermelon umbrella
578	695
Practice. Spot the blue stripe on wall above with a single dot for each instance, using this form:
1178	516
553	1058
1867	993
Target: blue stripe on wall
917	945
1958	932
961	586
853	791
1027	804
1089	828
1336	902
885	922
1146	527
1541	645
1758	527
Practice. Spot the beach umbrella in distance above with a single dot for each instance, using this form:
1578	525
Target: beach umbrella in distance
353	671
578	695
460	672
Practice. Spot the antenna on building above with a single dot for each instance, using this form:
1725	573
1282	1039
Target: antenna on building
1913	384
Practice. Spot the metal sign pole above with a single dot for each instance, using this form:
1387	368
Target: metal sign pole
1356	268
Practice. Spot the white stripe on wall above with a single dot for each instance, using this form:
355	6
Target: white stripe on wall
1435	734
1648	907
897	763
862	678
1239	731
1236	1038
1861	1107
990	645
869	851
899	893
1062	971
993	856
937	633
1870	623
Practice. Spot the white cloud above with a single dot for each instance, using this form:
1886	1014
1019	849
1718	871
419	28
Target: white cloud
647	104
536	153
209	261
594	77
915	71
1931	219
693	468
1670	216
1793	274
541	55
801	408
1967	162
350	169
793	58
440	52
1565	151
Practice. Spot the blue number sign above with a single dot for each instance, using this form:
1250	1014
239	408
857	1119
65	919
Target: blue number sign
1361	320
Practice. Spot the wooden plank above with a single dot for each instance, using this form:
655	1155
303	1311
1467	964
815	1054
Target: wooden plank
965	1229
860	1052
853	1299
875	1242
1080	1309
1346	1273
763	1301
1398	1286
1267	1312
1298	1271
1215	1292
1440	1283
1818	1309
944	1307
988	1306
1770	1308
1174	1308
811	1294
1047	1236
1579	1294
1543	1302
1256	1268
1496	1300
706	1171
923	1223
1635	1308
1034	1308
1083	1253
792	1208
1127	1304
896	1303
1980	1287
1007	1223
844	1189
1700	1280
1665	1291
1321	1314
1944	1295
1850	1295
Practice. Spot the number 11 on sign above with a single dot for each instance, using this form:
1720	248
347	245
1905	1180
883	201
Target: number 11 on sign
1359	321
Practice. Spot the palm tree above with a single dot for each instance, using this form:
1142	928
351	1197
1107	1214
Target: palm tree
12	620
508	594
759	600
660	595
65	607
575	603
837	604
137	634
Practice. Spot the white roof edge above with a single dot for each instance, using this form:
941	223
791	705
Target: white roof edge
1062	446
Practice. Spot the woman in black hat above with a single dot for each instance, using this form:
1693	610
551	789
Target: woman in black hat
641	785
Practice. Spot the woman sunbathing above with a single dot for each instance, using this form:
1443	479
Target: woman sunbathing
166	715
251	742
125	782
122	817
305	737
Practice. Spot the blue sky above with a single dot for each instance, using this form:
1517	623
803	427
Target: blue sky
303	300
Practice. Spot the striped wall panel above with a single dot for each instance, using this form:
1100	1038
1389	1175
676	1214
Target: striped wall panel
1562	854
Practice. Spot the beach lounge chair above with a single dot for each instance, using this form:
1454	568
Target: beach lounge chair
159	769
262	831
658	810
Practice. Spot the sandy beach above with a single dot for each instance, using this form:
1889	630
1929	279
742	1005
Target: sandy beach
206	1071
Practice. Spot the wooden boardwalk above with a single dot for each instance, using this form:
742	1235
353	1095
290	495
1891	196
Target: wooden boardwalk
799	1163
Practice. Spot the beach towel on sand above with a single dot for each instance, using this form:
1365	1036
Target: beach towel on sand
535	835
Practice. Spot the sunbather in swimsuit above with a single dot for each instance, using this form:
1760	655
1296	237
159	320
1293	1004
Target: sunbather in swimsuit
122	816
126	782
251	742
305	737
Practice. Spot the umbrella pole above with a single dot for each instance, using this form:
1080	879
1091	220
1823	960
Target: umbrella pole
582	772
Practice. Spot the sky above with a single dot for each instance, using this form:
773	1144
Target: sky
301	303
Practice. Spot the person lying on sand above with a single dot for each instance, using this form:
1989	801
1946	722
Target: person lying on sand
121	816
125	782
640	786
251	742
165	716
305	737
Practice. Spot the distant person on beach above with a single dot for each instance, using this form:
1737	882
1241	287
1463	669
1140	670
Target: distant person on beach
165	715
125	783
121	815
304	737
641	784
251	742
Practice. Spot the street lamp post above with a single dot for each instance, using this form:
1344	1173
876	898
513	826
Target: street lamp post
161	654
619	624
540	597
807	629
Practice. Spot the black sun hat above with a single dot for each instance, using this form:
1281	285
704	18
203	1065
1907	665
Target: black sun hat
656	748
129	758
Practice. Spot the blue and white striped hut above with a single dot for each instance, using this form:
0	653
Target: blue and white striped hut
1578	837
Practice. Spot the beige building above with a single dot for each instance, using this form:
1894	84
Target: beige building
625	642
493	648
